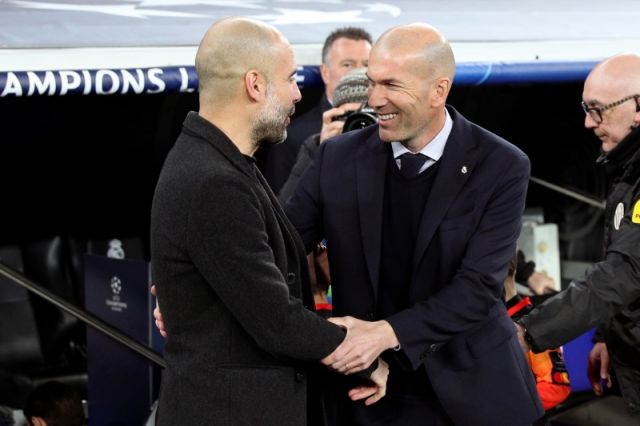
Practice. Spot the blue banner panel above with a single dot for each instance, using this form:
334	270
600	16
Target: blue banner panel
98	82
122	384
478	73
184	79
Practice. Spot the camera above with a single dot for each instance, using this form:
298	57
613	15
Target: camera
358	119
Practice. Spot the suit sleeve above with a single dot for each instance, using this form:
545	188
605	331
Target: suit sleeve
303	160
304	208
468	298
607	288
230	246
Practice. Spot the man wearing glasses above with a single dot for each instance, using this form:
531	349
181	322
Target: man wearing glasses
609	294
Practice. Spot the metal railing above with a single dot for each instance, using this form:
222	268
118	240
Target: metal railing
81	314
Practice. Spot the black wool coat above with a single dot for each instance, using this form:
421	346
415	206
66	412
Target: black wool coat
231	276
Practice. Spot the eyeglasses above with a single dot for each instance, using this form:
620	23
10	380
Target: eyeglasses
596	112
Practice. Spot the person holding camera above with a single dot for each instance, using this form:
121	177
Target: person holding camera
350	100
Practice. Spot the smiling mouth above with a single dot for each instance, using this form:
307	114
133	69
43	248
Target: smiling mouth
385	117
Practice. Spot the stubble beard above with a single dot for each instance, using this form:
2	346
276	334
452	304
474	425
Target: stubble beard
270	126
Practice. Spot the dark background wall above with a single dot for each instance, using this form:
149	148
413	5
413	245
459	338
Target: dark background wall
86	166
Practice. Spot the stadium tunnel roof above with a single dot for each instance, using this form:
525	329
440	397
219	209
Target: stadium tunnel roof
67	47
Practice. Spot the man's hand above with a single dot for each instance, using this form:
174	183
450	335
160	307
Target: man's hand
365	341
521	340
158	315
377	389
332	127
598	368
541	283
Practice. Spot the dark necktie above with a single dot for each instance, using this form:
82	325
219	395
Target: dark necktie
410	164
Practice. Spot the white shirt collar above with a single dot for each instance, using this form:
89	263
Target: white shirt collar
433	149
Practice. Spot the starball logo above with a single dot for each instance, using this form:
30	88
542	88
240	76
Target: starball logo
115	303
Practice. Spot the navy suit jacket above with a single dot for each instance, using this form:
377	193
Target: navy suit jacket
455	324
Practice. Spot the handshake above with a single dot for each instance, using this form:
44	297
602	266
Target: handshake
361	347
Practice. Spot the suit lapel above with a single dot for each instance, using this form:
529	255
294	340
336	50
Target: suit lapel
456	165
371	167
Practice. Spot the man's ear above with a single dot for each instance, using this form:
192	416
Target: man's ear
255	85
440	91
324	73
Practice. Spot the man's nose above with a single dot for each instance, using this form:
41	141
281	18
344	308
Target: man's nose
297	96
589	122
375	97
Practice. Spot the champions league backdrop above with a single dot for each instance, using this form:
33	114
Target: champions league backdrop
109	47
99	82
184	79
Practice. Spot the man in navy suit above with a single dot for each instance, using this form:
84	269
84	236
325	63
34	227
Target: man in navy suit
421	213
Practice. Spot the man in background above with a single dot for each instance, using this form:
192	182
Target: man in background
54	404
609	294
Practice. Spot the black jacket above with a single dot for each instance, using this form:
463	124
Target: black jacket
609	294
233	285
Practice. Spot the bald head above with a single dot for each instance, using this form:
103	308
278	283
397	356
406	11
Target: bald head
410	72
424	43
619	75
229	49
610	94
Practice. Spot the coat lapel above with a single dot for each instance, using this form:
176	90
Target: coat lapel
222	143
456	165
203	128
288	230
294	240
371	169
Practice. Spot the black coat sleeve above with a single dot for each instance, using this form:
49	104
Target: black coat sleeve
609	287
233	249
